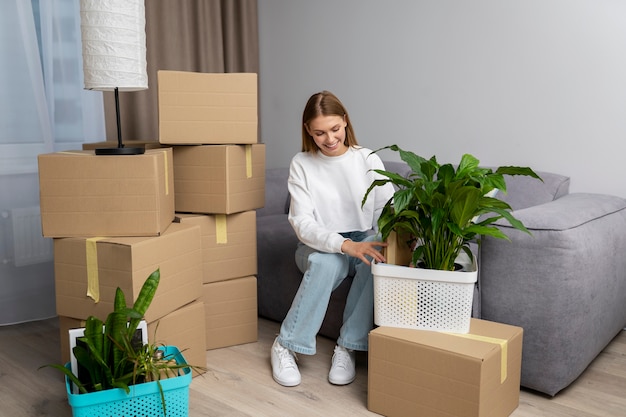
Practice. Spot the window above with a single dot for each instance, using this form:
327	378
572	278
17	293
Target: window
43	106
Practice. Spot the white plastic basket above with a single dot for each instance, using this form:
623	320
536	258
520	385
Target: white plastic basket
424	299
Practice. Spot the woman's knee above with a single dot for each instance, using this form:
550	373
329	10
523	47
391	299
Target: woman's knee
328	265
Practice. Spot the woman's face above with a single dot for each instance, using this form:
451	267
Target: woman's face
329	134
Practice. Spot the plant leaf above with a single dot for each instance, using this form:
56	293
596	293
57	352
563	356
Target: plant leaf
69	374
468	164
512	170
486	231
465	205
146	294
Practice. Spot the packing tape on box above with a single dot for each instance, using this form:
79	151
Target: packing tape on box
221	230
248	161
167	181
93	282
497	341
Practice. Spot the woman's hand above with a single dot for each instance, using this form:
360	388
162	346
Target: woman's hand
362	250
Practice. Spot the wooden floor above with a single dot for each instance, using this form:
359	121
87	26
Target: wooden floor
239	381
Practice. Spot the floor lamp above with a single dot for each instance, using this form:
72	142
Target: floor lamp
114	54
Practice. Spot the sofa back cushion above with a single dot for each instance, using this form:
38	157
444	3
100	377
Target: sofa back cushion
397	167
523	192
276	193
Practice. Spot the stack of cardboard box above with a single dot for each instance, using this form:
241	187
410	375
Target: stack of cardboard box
219	180
185	206
112	220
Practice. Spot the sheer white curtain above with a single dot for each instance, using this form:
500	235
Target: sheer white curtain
43	108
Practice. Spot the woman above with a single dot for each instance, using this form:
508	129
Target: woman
327	182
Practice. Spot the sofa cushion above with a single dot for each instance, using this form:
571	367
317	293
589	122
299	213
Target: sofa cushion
276	193
525	191
278	277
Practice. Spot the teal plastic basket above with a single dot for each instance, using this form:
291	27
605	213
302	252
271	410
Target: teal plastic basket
143	399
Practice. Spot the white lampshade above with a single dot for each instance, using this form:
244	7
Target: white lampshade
114	44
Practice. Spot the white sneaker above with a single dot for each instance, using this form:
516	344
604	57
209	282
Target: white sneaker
342	370
284	368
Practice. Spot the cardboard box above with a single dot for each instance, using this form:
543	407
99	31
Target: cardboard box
397	252
108	263
231	312
197	108
427	373
146	144
228	244
183	328
220	179
82	194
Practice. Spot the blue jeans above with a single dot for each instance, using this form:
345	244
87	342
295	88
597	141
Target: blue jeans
323	272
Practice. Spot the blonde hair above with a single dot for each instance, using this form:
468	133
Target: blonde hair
324	103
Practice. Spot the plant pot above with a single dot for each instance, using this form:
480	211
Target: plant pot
424	299
143	400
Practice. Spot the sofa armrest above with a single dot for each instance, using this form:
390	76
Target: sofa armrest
565	284
567	212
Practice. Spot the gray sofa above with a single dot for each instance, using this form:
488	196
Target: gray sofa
565	285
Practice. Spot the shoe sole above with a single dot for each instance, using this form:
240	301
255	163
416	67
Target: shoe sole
343	382
285	383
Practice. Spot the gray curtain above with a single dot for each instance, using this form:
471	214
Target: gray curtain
186	35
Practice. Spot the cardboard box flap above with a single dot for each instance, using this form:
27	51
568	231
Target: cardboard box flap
464	346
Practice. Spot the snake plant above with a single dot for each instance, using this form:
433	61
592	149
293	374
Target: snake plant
108	353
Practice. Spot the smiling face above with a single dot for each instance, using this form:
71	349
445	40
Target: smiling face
329	134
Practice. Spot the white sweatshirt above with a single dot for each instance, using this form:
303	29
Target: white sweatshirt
326	194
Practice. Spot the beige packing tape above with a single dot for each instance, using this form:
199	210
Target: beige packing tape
503	343
221	229
248	161
167	182
93	282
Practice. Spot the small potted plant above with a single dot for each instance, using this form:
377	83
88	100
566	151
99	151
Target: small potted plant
120	375
438	210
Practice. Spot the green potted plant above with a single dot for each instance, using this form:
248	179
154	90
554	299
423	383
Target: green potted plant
438	210
442	208
117	372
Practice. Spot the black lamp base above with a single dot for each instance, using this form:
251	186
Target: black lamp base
120	151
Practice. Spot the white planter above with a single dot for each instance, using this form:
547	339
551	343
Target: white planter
424	299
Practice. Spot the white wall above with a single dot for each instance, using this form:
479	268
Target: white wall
540	83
